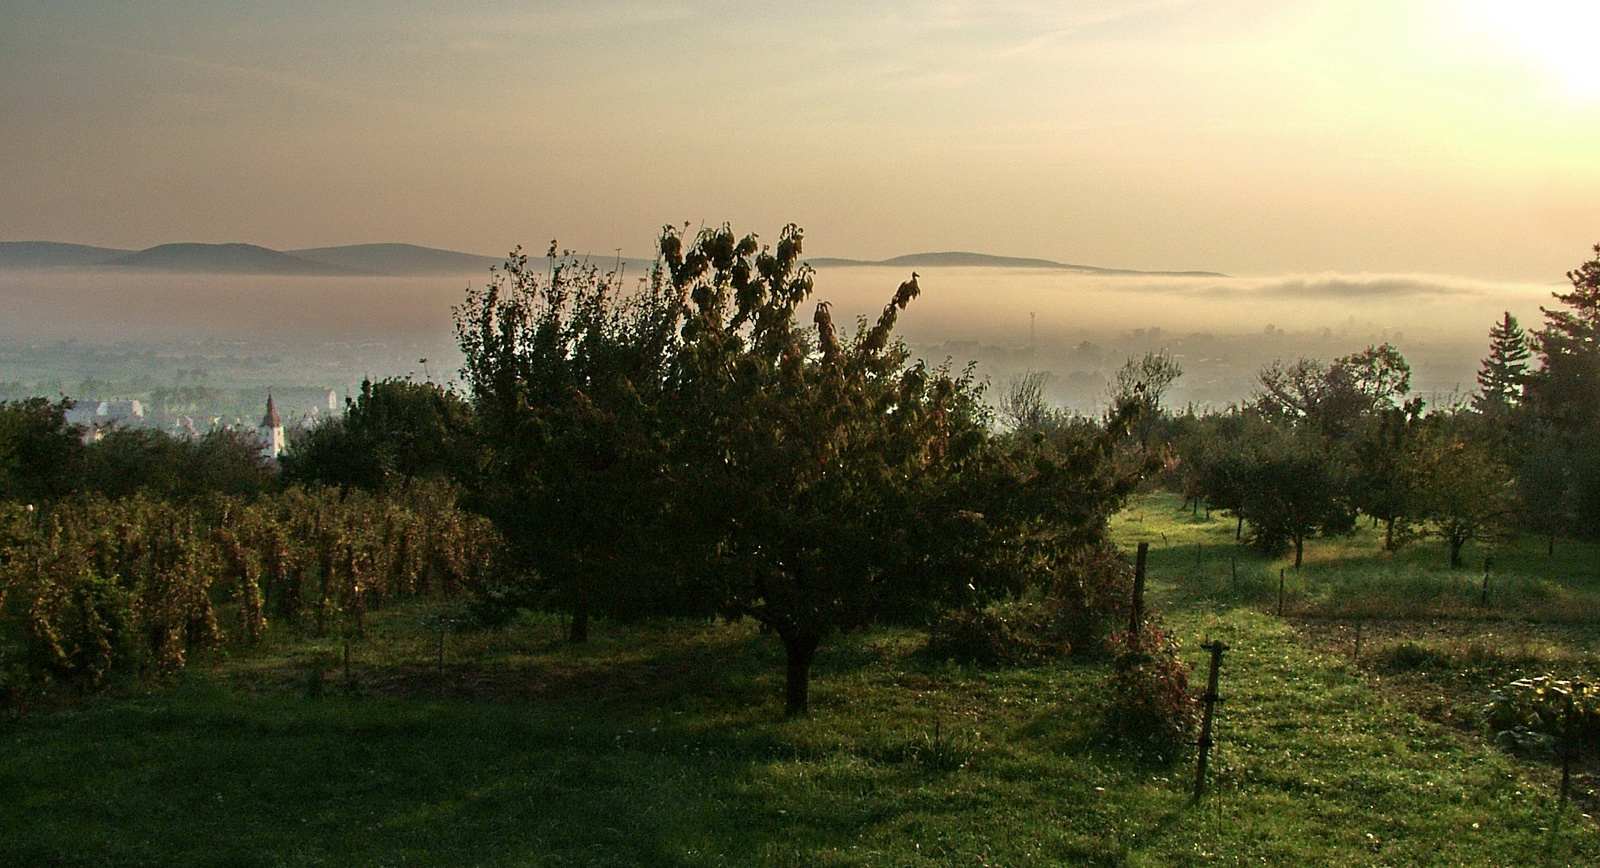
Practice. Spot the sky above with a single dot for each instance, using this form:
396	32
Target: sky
1252	137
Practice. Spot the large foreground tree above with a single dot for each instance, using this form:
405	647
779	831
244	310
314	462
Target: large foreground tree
831	482
809	461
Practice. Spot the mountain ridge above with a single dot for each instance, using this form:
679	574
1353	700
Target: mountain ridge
963	259
412	260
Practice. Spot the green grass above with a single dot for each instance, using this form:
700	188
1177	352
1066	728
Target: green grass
664	744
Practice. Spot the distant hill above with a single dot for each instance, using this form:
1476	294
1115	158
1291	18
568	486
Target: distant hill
54	254
401	260
225	259
398	259
957	259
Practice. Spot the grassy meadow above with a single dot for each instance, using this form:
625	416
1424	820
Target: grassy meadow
664	743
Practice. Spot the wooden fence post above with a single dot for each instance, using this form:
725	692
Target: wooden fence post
1211	699
1569	746
1483	597
1136	620
1280	592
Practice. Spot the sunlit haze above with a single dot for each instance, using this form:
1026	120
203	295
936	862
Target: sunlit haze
1242	136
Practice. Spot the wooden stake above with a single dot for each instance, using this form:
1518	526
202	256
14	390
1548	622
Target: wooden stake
1483	598
1136	620
1569	746
1358	639
1280	592
1211	699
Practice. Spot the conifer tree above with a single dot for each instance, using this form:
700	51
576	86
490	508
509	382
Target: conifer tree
1501	377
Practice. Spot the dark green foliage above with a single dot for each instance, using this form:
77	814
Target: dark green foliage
1073	610
823	476
832	484
1384	478
1336	400
1009	634
1287	483
1500	380
395	431
565	373
1464	485
41	455
125	461
1563	400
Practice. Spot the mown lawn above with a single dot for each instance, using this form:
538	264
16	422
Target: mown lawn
663	744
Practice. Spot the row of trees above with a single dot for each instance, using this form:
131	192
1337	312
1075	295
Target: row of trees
1319	444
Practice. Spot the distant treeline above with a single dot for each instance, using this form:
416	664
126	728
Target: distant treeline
1319	445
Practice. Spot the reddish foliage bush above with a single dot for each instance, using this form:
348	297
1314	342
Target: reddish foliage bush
1149	708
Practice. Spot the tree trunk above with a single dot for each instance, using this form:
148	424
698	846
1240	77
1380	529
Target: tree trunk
800	650
1388	535
1299	550
1238	528
1455	552
578	632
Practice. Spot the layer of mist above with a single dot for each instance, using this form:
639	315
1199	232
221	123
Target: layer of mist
329	332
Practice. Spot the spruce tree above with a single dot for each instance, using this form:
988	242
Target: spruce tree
1501	377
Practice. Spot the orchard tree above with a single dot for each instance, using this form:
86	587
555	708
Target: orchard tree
1144	382
832	483
1465	486
1383	481
1338	399
1289	488
805	456
565	372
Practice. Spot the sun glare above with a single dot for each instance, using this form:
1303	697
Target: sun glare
1556	36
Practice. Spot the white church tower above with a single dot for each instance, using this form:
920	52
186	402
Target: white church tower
271	431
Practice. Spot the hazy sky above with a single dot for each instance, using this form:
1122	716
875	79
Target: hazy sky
1245	136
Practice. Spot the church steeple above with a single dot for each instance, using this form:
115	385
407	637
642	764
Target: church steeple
271	430
271	420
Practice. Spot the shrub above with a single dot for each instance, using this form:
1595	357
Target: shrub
1541	712
1074	611
1011	634
1090	597
1149	708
